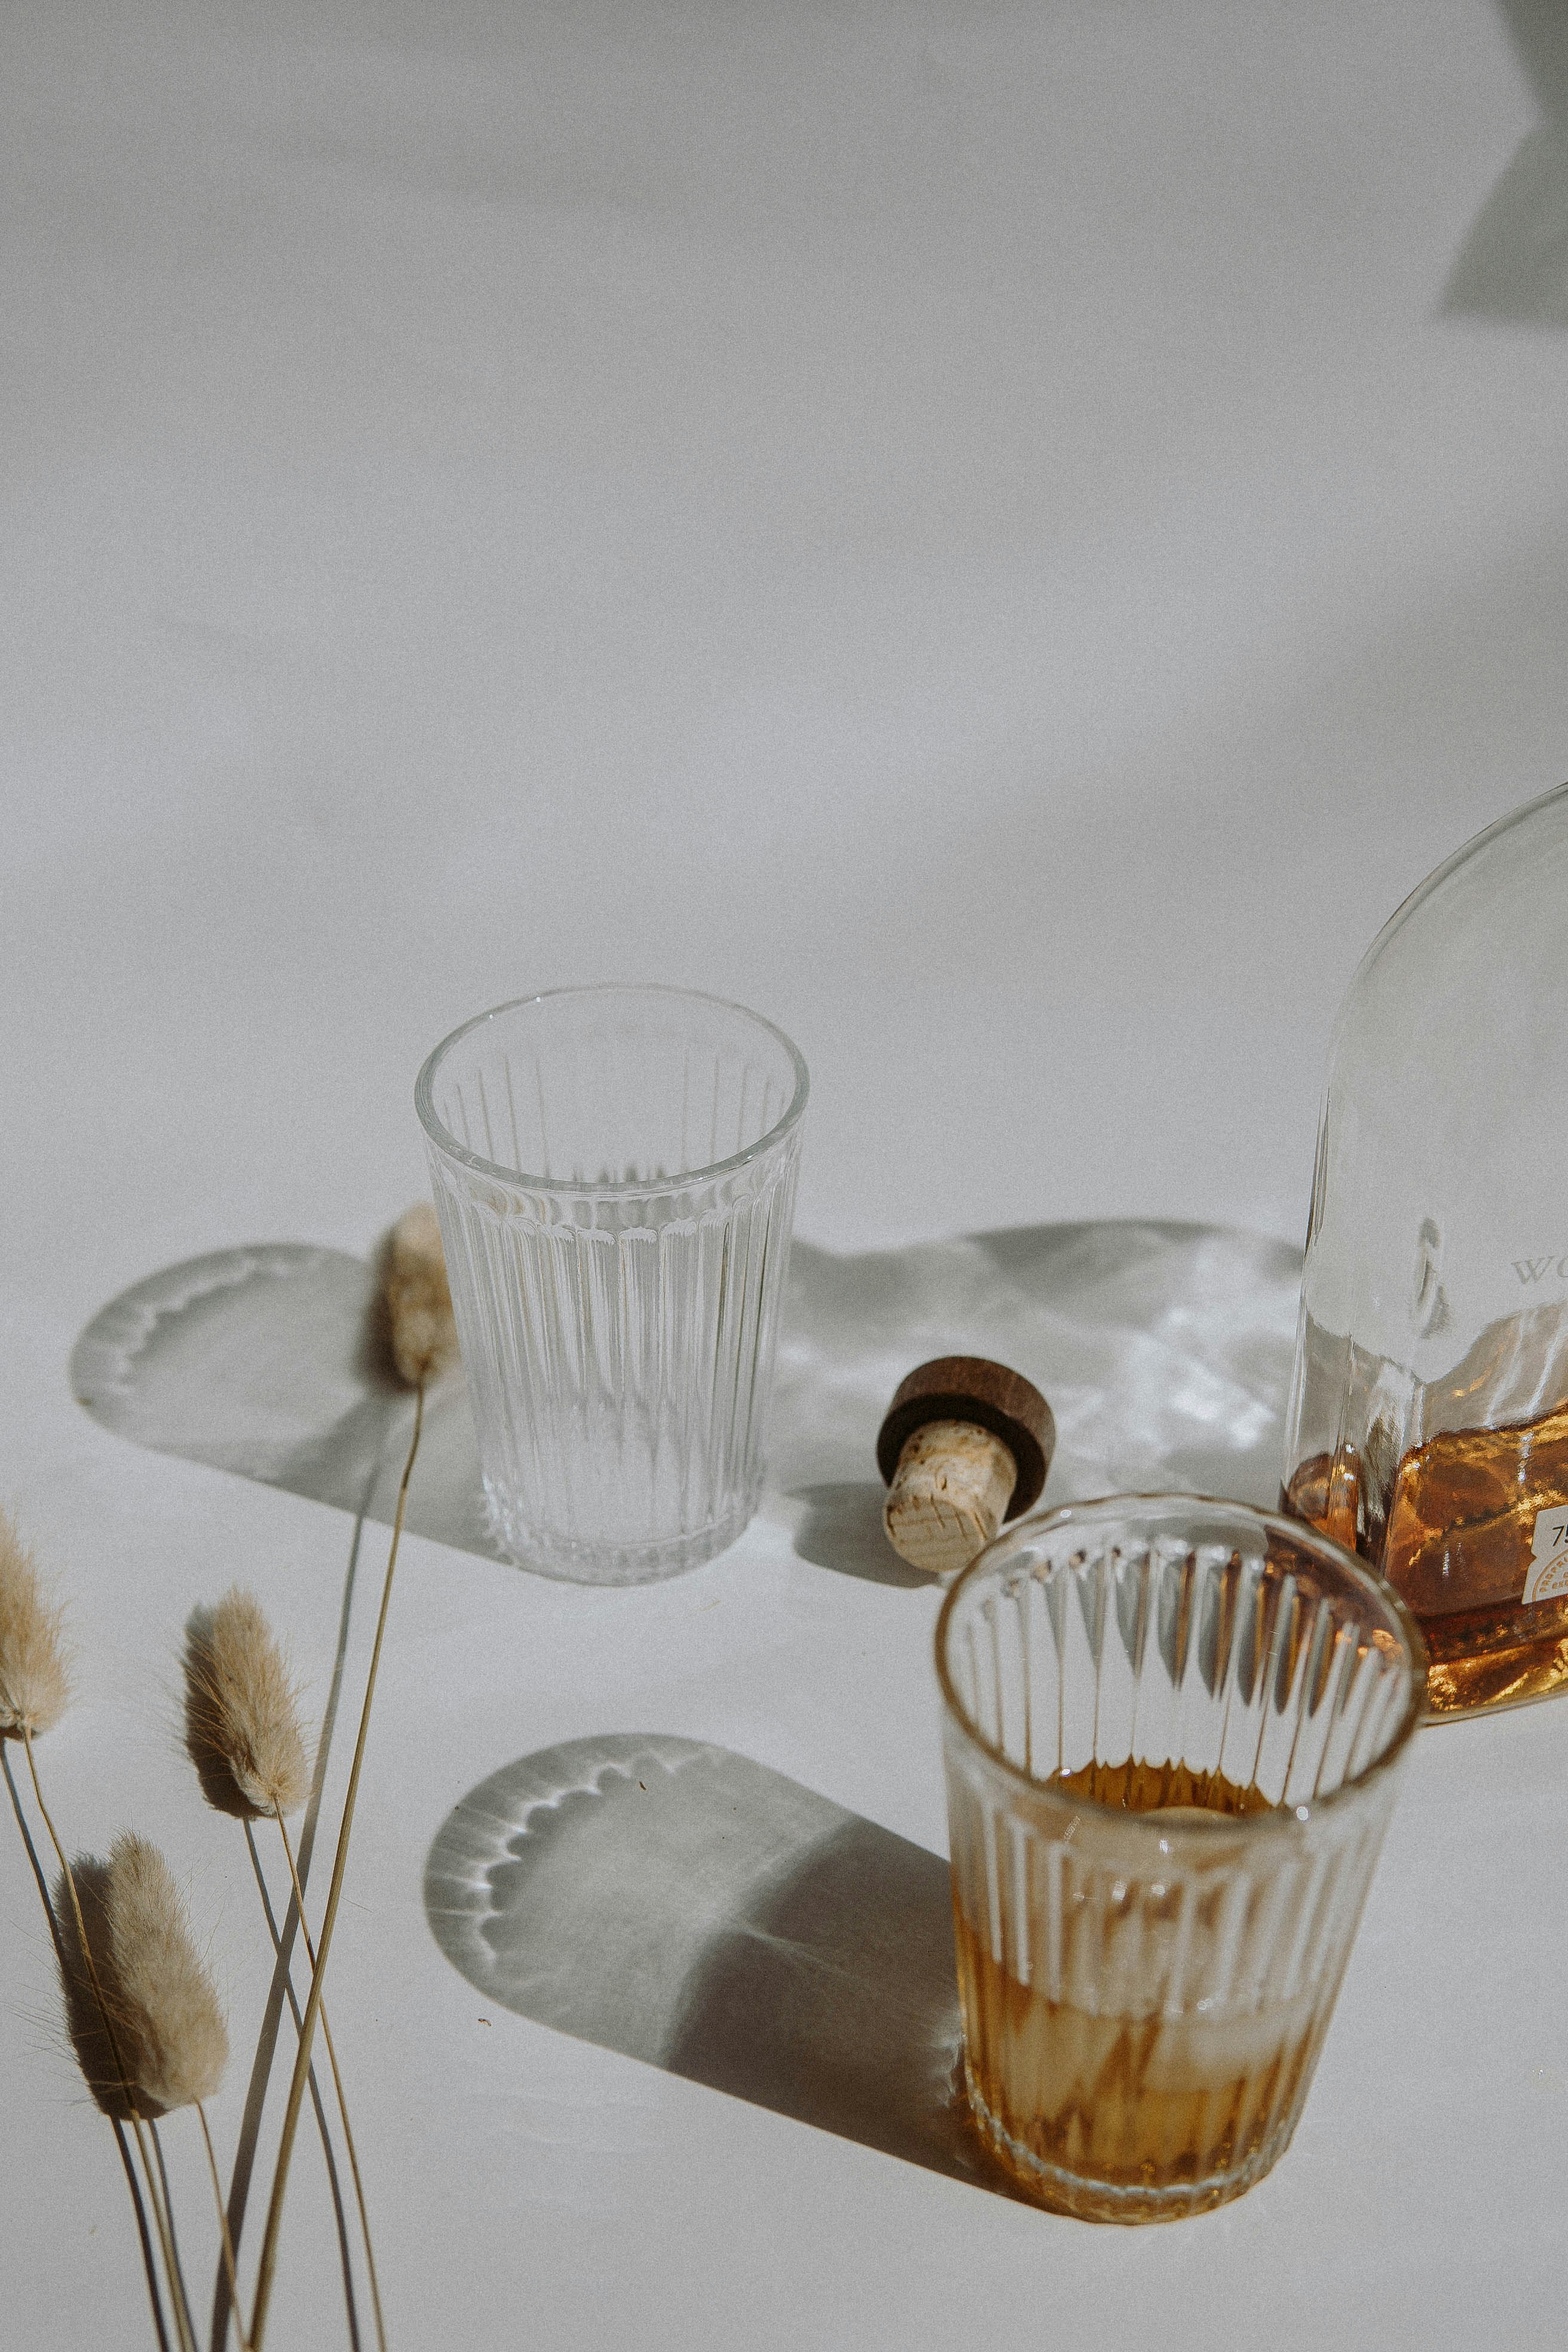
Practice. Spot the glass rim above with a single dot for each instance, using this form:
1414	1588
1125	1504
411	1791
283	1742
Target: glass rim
447	1143
1274	1819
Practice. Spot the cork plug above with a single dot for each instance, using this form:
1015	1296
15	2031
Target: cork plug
966	1444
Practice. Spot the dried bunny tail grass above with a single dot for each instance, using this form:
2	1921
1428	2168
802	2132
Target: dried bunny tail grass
423	1336
242	1710
168	2015
95	2026
169	2018
244	1735
34	1687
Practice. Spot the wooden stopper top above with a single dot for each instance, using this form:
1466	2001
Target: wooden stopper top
974	1388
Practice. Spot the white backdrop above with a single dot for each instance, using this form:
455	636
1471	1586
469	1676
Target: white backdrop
1008	537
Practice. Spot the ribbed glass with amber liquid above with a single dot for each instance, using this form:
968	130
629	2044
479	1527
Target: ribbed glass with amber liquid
1142	2103
1173	1734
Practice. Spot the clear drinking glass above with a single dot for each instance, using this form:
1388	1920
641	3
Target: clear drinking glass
1173	1730
614	1171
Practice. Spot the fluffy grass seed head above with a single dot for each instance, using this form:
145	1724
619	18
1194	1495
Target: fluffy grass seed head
34	1685
242	1710
423	1336
168	2017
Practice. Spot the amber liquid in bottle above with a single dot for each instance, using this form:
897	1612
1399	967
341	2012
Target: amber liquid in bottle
1458	1545
1151	2104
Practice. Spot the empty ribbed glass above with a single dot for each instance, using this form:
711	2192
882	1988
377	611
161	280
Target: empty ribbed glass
1173	1731
614	1171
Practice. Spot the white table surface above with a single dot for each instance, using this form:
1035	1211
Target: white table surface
1008	537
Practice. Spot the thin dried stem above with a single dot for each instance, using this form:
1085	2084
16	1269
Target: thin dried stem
329	2148
338	2083
268	2259
148	2263
155	2136
223	2227
161	2215
164	2222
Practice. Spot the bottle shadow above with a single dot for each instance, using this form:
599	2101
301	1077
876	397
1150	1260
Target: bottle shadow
1513	265
1166	1351
690	1907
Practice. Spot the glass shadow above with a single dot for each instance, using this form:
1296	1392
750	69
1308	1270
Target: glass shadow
1164	1348
686	1905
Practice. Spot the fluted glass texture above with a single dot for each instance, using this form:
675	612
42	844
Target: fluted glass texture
1172	1728
614	1172
1428	1419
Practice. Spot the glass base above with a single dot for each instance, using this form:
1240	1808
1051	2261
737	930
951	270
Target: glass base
576	1561
1103	2200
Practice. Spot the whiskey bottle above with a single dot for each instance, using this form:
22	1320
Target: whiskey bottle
1428	1419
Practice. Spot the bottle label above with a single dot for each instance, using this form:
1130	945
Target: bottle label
1548	1574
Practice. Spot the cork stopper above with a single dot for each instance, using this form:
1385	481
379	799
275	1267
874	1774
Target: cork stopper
966	1444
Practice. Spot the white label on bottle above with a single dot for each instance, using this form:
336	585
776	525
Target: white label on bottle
1548	1568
